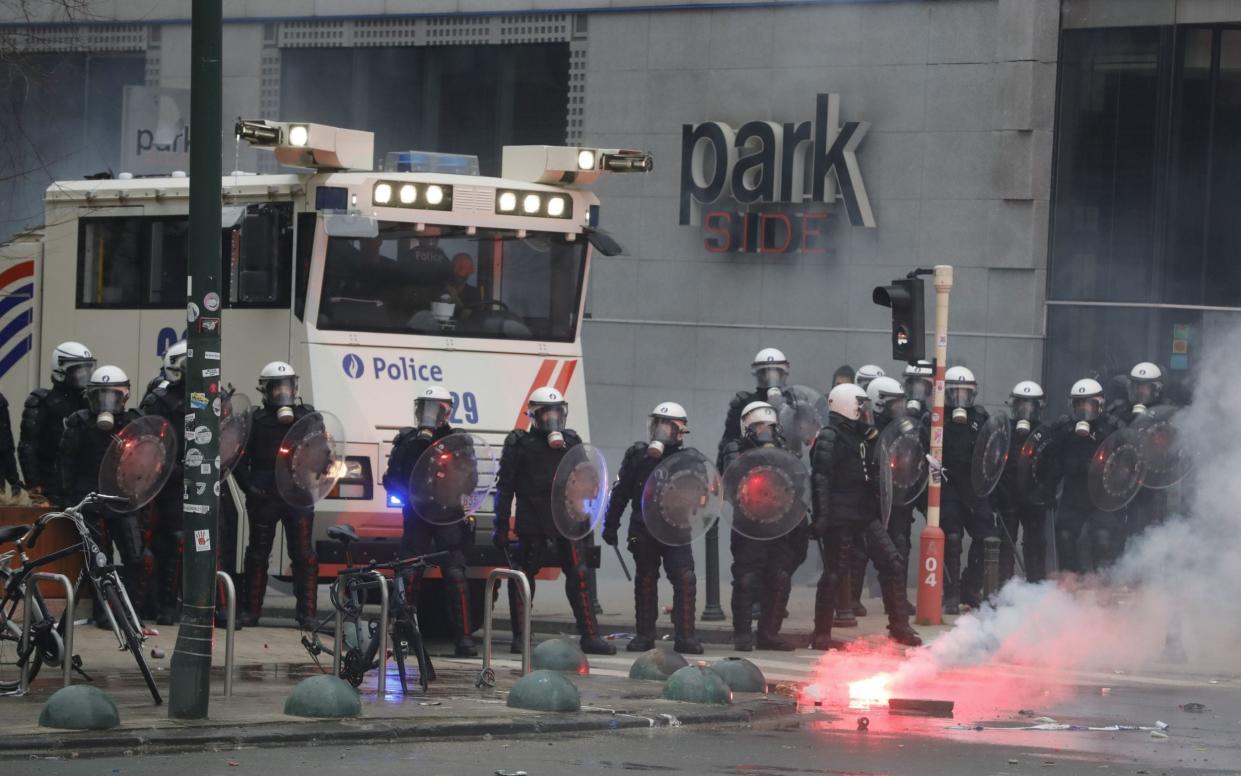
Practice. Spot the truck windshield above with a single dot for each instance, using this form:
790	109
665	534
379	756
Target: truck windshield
442	281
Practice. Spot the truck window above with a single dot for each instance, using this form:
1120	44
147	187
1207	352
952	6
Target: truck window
305	249
442	281
257	255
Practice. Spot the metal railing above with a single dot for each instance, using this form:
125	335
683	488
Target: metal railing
66	658
230	628
338	635
487	676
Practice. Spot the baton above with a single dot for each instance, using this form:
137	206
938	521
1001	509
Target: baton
620	558
999	520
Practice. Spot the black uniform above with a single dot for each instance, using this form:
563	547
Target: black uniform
43	425
8	457
418	537
962	512
732	423
1018	512
761	568
82	448
1069	457
527	468
648	552
844	476
167	401
256	475
1150	505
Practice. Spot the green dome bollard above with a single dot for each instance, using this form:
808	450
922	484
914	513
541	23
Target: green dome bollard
324	696
79	707
560	655
739	674
545	690
695	684
656	665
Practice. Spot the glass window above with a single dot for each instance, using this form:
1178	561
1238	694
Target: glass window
257	256
444	282
305	249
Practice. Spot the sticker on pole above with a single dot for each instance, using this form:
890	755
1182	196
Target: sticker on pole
579	492
236	414
682	498
311	459
452	478
991	454
1116	470
768	490
1166	457
138	462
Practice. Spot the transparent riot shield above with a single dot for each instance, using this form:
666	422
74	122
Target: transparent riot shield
768	490
1116	470
1167	459
236	414
902	464
991	453
579	492
452	478
311	459
138	462
682	498
1034	467
801	418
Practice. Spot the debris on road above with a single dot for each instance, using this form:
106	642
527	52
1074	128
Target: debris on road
1192	708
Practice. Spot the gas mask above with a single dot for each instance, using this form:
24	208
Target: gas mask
917	394
762	434
1142	395
663	434
771	379
280	395
430	415
1026	412
78	375
106	404
960	398
551	420
1086	411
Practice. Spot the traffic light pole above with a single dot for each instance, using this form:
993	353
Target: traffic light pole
931	554
190	682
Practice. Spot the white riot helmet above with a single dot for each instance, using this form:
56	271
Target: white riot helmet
960	388
174	361
866	373
759	421
919	385
849	401
1086	404
548	412
278	387
1145	385
72	363
1026	403
885	395
432	409
771	369
667	428
106	394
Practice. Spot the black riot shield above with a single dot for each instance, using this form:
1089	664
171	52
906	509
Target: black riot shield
311	459
1166	457
1034	474
801	418
579	492
138	462
768	491
991	453
682	498
902	464
1116	470
452	478
236	414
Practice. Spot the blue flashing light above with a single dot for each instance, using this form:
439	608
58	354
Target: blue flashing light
592	216
332	198
428	161
395	501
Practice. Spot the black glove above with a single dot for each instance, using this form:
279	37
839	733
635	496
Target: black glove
500	539
610	537
819	528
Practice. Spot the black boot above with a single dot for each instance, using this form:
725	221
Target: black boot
952	574
578	592
742	604
167	588
857	579
459	612
646	610
306	591
517	613
898	623
775	598
843	568
902	547
253	590
684	609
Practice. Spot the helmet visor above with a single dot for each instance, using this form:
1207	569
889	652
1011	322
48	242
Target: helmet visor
918	388
771	376
665	430
1027	409
550	419
960	395
78	375
280	392
888	404
1143	391
1088	408
432	413
107	399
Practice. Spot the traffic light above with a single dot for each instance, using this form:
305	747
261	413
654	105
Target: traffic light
904	296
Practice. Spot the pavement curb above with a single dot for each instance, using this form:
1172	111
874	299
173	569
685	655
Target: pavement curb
61	744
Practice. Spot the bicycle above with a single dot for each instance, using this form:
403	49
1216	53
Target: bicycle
46	645
361	643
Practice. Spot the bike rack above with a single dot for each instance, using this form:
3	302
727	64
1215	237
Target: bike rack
66	658
487	676
337	637
230	627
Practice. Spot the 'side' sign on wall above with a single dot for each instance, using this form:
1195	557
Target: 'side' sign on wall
776	174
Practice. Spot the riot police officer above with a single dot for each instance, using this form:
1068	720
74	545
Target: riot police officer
962	510
866	373
1145	393
919	387
432	412
44	416
770	368
759	566
167	400
8	452
87	436
1014	507
265	509
844	477
527	471
665	437
1075	439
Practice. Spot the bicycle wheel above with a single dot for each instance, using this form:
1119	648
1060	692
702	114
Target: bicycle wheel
132	641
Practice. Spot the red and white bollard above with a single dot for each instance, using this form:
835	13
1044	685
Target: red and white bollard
931	547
